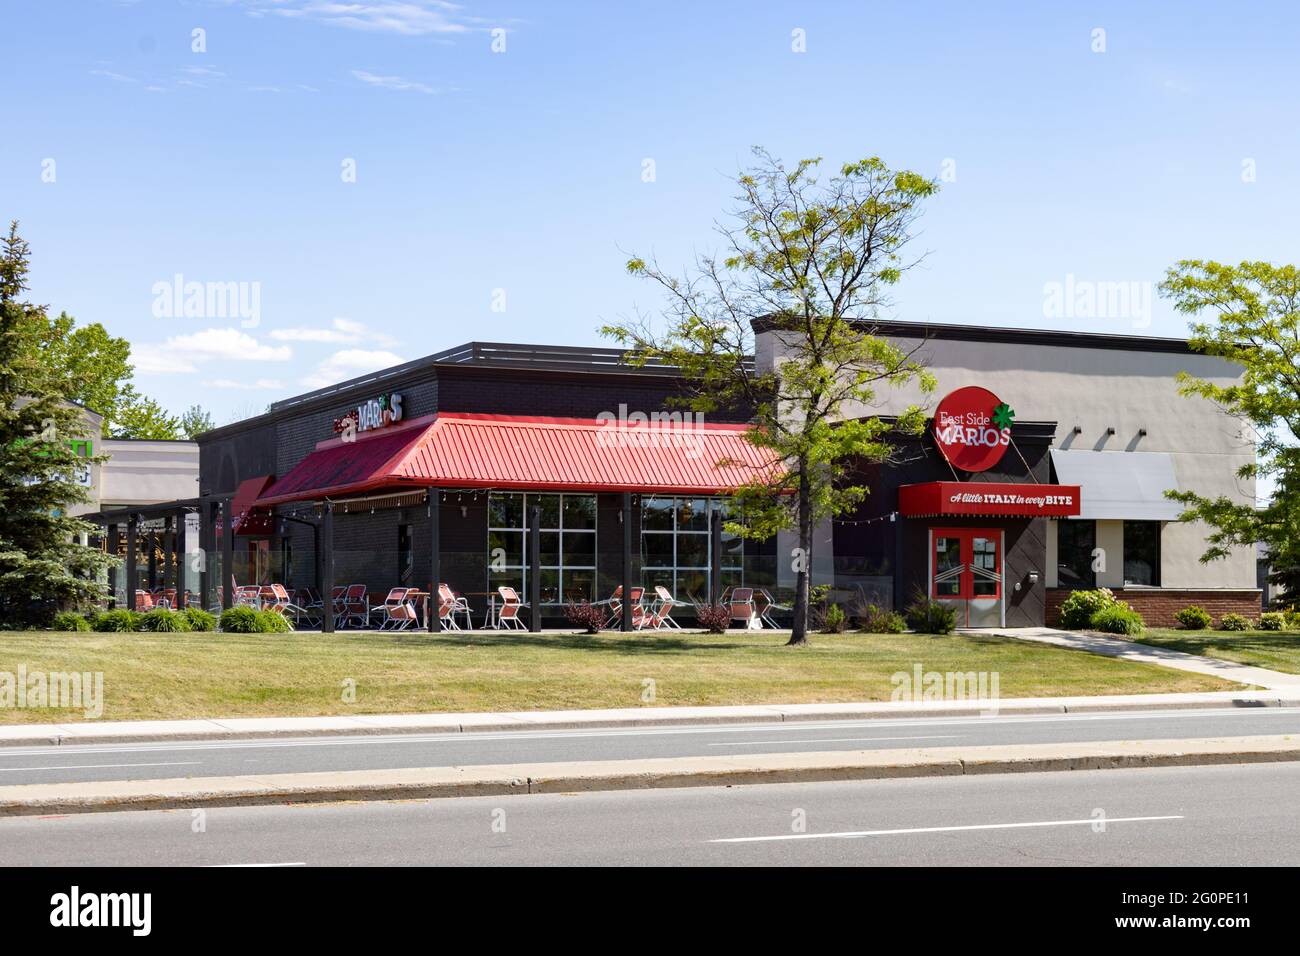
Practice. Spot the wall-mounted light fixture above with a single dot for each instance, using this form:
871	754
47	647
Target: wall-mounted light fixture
1033	577
1110	430
1142	433
1078	429
464	511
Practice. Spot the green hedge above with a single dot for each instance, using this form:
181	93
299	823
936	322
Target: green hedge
926	616
1193	618
119	620
70	621
164	620
248	620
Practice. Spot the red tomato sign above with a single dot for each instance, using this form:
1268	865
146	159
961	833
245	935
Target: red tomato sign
972	428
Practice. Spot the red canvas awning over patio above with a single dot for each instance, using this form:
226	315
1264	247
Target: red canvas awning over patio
461	450
250	517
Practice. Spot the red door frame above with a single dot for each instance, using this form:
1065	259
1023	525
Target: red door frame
967	538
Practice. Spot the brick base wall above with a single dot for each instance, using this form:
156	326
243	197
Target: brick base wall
1159	605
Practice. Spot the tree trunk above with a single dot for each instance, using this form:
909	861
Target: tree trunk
799	629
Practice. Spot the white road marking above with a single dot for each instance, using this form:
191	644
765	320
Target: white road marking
100	766
831	740
856	834
219	866
791	727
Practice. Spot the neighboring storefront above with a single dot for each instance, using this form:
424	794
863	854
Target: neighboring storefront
1045	469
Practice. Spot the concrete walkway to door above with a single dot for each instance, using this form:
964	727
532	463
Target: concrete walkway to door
1146	654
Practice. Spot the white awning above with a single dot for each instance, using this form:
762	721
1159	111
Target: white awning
1120	484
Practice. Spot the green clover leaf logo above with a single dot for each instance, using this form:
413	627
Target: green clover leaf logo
1003	416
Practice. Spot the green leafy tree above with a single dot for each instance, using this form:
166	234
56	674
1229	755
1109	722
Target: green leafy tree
812	261
1256	310
195	422
139	417
43	567
93	365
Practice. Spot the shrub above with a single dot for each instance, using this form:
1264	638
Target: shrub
714	618
877	621
834	621
119	620
1119	618
1292	617
1078	610
200	620
1272	621
162	619
1234	622
583	615
926	616
70	621
1194	618
239	620
272	622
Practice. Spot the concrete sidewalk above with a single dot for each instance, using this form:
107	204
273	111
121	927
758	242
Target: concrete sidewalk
1162	657
510	779
108	732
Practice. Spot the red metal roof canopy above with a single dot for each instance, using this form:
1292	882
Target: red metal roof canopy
935	499
462	450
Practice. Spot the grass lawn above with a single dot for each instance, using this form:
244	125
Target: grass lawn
225	675
1278	650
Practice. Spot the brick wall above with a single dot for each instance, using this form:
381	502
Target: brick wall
1159	605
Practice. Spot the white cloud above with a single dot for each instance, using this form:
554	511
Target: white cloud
391	82
118	77
180	353
340	331
261	383
407	17
349	363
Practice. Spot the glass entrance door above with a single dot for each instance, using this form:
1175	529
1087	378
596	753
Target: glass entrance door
966	572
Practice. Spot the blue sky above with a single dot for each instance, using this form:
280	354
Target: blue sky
522	171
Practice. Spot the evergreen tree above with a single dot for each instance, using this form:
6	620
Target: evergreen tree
43	567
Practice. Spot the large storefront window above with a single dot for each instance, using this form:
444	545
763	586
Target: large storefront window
1075	542
1142	553
676	546
568	545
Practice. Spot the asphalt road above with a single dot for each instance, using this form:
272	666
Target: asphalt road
1199	816
50	764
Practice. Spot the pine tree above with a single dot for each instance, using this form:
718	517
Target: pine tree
43	567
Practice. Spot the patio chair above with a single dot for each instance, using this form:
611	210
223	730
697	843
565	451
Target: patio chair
741	605
248	595
398	611
354	606
450	604
767	604
144	601
508	615
616	604
665	604
280	601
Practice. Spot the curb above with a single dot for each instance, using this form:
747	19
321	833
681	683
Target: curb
271	728
656	773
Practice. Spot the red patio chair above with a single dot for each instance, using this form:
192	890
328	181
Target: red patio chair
144	601
741	604
664	608
399	612
508	615
355	606
450	604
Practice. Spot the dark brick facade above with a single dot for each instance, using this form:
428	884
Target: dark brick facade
1159	605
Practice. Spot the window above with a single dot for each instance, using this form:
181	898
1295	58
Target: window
568	545
1075	542
405	556
1142	553
676	546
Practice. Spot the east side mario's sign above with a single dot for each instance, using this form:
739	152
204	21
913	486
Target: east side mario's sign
972	428
376	413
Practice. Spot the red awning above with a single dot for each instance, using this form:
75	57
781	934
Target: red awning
935	499
460	450
250	518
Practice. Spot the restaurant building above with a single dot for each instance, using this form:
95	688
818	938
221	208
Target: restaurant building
564	473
